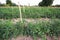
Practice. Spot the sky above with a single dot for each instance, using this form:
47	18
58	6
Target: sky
31	2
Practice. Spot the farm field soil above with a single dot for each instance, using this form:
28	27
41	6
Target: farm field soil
25	38
27	20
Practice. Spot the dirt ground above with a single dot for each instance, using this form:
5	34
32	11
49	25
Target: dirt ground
24	38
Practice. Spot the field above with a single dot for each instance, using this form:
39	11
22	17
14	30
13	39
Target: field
30	12
38	22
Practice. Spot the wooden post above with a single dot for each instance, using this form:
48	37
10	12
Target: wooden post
20	13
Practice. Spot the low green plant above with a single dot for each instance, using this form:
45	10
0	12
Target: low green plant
7	30
30	12
39	29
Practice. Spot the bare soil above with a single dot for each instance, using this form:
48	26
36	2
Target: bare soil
25	38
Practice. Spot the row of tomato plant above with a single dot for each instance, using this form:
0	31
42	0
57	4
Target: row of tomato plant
30	12
39	29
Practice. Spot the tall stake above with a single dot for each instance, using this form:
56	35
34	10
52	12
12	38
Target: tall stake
20	13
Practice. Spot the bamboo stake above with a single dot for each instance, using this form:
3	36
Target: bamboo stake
20	13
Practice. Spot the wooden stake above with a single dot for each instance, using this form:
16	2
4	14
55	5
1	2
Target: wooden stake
20	13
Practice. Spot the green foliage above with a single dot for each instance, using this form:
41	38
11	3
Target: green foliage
20	27
7	30
13	4
31	12
38	29
46	3
9	13
42	28
56	5
9	3
2	4
56	27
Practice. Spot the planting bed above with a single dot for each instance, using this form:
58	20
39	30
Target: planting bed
41	29
30	12
39	23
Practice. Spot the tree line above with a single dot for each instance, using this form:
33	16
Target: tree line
42	3
8	3
46	3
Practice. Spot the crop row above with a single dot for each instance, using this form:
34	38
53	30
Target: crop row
38	29
30	12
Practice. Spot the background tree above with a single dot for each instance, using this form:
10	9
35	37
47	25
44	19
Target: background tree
2	4
13	4
9	3
46	3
